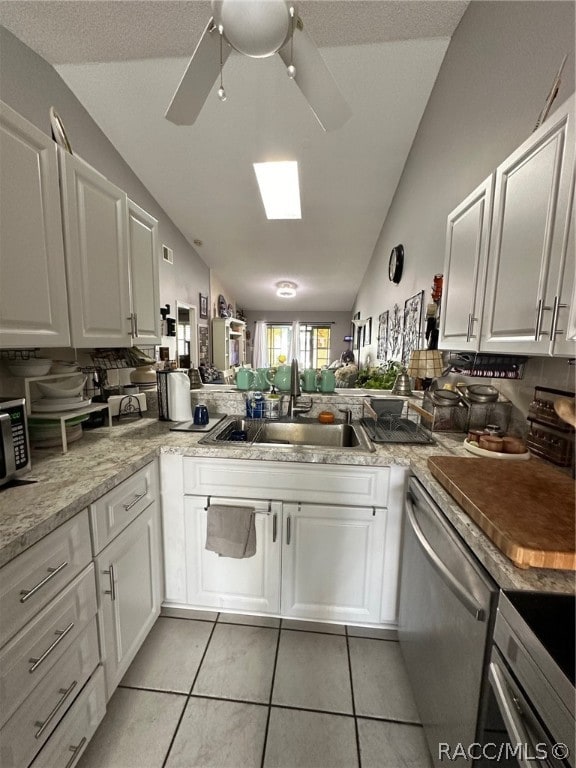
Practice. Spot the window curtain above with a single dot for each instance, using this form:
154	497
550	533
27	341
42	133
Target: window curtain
260	349
294	350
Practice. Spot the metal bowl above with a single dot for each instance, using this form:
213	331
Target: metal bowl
445	397
481	393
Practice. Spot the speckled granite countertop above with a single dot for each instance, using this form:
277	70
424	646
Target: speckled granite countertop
102	459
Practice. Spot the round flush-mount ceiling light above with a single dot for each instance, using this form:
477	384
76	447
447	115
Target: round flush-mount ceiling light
286	289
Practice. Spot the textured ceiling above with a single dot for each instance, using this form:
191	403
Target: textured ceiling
124	60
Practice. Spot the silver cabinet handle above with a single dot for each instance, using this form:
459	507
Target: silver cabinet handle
61	635
274	527
131	318
136	324
508	706
75	752
451	582
539	312
65	693
288	530
52	572
112	590
555	311
469	329
134	501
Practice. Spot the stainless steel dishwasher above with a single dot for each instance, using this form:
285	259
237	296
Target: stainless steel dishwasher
447	607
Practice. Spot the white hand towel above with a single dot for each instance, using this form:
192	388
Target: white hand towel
231	531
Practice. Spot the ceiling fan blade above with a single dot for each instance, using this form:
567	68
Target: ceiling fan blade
199	77
315	80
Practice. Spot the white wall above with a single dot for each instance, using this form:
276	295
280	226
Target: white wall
490	89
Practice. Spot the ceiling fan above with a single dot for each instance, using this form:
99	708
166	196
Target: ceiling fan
258	28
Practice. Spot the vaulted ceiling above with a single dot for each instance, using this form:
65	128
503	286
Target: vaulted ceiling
124	60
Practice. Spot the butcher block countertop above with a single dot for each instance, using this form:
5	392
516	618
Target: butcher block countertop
525	508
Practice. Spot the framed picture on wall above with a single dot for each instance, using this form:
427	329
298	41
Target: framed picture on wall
203	311
413	326
382	348
367	337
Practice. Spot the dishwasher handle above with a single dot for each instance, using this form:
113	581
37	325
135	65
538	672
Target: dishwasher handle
449	579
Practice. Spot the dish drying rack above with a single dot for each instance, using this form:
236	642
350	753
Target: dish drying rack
401	428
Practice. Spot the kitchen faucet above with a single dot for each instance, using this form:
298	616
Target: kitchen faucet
295	392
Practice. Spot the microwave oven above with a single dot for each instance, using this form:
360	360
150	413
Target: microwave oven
14	442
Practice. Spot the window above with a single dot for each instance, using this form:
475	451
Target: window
314	344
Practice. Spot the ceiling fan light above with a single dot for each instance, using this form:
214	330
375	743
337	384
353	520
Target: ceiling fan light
291	71
286	289
257	28
222	94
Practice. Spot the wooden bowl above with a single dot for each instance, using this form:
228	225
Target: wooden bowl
326	417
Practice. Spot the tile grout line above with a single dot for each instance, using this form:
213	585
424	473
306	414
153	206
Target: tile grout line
270	697
172	740
353	699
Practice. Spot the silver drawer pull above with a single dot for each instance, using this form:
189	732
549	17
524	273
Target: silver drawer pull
28	593
76	752
61	635
112	590
65	693
134	501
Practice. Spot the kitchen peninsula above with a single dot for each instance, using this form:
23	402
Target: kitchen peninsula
100	462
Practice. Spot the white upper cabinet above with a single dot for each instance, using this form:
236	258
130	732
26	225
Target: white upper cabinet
95	216
467	241
33	302
144	275
525	288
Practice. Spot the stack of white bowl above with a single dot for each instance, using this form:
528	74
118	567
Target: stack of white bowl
61	395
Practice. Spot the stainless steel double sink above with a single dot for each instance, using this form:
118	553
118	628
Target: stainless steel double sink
235	431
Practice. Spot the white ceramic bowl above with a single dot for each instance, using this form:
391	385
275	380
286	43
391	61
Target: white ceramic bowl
62	366
26	368
64	388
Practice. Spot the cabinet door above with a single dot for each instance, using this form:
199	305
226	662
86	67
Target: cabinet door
129	592
467	239
33	300
530	207
332	560
95	215
144	275
247	584
563	326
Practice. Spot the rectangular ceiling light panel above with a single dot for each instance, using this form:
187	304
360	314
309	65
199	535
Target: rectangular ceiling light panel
279	189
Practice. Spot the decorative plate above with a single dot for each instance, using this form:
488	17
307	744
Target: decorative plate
475	449
58	132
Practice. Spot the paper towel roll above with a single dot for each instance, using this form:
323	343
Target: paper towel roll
179	402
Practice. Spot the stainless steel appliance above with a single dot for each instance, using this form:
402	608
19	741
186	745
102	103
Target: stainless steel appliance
447	608
14	442
531	694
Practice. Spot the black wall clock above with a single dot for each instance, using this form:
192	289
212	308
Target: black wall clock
396	264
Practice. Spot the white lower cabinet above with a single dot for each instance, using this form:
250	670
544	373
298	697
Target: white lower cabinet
128	586
245	584
72	735
320	554
332	561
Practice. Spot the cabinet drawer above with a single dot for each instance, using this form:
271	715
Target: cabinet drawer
28	583
328	484
29	656
72	735
116	509
33	722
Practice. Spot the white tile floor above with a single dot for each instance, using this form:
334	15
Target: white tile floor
229	691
